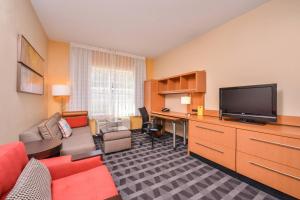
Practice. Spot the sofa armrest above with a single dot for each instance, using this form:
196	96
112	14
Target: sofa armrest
49	162
63	169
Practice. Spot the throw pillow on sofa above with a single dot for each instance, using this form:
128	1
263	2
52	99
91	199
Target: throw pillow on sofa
34	183
77	121
50	129
64	127
45	133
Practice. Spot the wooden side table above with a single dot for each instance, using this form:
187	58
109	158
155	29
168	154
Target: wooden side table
43	148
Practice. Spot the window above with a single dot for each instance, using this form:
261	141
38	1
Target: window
112	92
105	82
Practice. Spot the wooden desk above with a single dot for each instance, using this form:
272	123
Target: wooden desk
173	117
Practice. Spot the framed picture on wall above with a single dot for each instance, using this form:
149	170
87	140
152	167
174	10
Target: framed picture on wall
28	81
30	73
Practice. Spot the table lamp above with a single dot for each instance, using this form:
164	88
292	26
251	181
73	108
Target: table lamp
185	100
61	91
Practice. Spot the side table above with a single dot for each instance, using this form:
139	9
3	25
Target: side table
43	148
86	155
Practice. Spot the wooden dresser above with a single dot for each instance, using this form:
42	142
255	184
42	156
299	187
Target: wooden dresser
269	154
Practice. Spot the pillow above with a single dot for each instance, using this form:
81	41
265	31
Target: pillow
52	125
49	129
34	183
44	131
64	127
78	121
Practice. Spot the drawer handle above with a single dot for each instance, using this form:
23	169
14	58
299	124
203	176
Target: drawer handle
210	129
275	143
274	170
210	148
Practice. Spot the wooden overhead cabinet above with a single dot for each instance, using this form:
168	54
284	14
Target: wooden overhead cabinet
183	83
152	100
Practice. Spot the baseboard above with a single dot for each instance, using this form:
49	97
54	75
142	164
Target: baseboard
260	186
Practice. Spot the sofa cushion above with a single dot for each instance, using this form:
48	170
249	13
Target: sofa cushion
77	121
81	141
32	134
52	125
13	159
49	129
95	183
34	183
64	127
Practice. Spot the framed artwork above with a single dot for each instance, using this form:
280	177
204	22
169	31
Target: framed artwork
28	81
30	73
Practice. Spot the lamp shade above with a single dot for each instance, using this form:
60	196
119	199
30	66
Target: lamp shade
61	90
186	100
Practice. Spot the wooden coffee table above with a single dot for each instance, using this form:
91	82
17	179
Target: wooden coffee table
43	148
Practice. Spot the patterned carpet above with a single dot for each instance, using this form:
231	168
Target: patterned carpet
164	173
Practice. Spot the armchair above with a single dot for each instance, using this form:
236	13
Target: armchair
84	179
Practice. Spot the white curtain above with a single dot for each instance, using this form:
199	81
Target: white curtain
105	82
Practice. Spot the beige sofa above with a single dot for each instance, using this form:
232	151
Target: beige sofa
80	141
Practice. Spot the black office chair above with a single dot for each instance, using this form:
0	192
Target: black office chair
149	127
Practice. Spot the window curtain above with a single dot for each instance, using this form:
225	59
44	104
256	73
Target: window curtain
105	82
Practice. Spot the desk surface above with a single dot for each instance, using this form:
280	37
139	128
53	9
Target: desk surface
175	115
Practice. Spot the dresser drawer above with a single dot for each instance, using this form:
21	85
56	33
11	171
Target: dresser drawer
222	135
280	177
279	149
220	154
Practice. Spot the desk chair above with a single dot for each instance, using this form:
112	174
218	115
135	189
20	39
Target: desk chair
149	127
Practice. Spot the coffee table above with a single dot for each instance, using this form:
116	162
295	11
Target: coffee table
106	123
113	129
43	148
117	138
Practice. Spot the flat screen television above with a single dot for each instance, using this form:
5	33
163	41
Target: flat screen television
255	103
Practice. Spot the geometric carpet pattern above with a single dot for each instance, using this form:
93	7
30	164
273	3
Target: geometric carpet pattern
163	173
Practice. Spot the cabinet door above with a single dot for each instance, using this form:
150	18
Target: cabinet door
222	135
147	95
281	177
152	100
279	149
217	153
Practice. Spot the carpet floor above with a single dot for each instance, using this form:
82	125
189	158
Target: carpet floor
163	173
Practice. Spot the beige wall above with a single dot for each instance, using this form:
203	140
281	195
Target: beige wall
58	71
18	111
261	46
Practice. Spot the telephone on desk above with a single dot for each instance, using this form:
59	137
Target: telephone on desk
165	110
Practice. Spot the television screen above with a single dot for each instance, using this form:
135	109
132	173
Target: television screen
258	101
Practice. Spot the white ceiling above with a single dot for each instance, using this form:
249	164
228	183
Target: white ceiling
143	27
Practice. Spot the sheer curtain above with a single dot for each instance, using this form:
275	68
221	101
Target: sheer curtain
105	82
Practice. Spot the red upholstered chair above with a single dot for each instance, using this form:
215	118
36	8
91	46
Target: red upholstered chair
84	179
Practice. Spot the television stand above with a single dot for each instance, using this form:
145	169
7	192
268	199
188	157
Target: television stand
245	121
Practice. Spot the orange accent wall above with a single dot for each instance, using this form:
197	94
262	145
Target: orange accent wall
149	68
58	71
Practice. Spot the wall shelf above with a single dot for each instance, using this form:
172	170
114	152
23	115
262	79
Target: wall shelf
183	83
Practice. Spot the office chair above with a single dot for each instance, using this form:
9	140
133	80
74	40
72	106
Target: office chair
147	126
